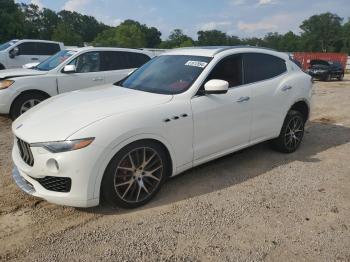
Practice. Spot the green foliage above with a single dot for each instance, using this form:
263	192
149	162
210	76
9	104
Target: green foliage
346	37
322	32
130	34
11	19
325	32
66	34
212	38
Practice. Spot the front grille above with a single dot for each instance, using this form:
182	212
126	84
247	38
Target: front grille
25	152
54	183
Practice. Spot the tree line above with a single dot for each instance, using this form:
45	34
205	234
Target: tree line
325	32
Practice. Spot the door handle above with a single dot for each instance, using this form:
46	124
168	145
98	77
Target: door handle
97	79
243	99
35	59
286	88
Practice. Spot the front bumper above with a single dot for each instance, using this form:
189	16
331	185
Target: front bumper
318	75
6	98
76	165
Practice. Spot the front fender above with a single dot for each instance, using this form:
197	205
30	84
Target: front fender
112	150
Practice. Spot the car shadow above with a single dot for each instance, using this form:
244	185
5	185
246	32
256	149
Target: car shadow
241	166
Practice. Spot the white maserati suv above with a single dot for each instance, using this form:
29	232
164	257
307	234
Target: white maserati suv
183	108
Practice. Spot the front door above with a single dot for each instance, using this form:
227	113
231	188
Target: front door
27	53
222	122
87	73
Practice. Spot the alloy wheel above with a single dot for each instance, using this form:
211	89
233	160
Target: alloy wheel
28	105
138	174
294	133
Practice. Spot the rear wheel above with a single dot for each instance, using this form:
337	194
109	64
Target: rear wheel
135	174
327	78
292	133
25	102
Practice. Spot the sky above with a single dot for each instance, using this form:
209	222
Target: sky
243	18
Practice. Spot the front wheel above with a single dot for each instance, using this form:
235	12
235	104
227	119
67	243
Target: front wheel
135	174
292	133
25	102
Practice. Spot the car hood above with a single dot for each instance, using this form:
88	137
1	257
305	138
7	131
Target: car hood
10	73
61	116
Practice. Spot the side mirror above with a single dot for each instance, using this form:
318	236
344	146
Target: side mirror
216	86
14	52
68	69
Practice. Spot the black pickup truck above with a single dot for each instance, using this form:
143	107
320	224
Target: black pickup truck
326	70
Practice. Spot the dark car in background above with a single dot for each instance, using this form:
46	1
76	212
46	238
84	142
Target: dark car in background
326	70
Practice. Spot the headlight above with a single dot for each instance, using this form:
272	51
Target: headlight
65	146
5	83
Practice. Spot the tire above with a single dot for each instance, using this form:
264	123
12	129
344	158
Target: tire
288	141
126	184
341	77
24	102
2	67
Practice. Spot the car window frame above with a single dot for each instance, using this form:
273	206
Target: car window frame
23	43
76	56
201	86
129	59
221	60
267	79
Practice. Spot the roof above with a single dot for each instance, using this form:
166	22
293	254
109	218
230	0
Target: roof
209	51
88	48
37	40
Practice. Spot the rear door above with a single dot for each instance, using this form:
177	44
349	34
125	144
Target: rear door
271	93
118	64
88	73
45	50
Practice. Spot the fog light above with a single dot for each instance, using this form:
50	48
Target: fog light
52	165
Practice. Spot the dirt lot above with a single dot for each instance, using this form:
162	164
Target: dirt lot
254	205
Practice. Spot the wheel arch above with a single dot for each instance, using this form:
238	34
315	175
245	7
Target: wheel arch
142	137
30	91
303	107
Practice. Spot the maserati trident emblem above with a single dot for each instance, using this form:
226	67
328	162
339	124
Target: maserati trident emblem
19	126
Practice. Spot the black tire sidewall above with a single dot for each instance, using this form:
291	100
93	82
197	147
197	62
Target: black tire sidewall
280	143
21	99
108	193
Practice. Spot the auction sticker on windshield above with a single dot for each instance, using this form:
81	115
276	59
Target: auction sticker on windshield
196	64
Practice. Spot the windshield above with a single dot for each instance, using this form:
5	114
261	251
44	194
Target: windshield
55	60
168	74
319	63
7	45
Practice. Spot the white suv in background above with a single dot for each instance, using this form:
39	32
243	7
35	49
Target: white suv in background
68	70
16	53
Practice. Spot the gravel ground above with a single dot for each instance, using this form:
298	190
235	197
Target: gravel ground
254	205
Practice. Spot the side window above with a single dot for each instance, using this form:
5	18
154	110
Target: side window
228	69
258	67
117	60
112	60
137	59
47	48
87	62
27	48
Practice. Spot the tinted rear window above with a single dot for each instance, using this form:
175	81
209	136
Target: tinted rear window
259	67
116	60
